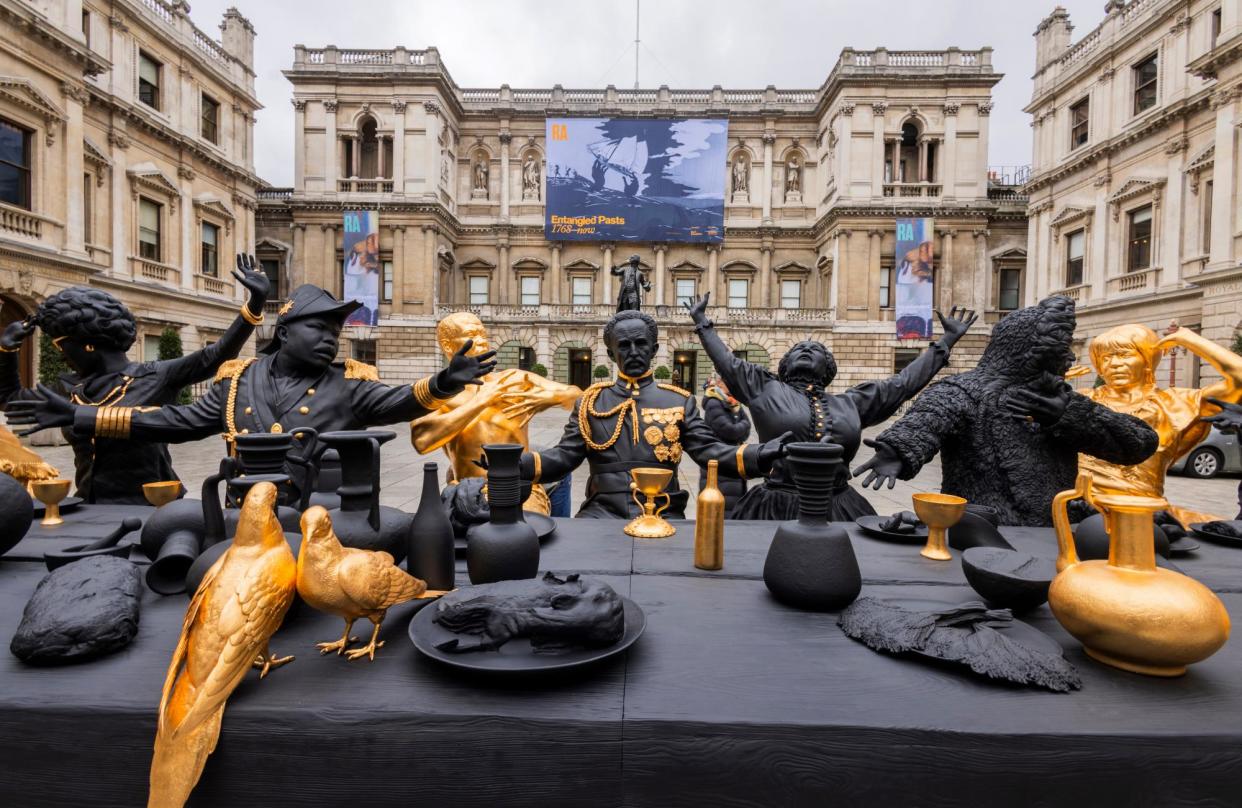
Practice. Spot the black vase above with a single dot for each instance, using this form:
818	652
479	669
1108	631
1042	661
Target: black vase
811	563
505	548
430	556
18	510
360	521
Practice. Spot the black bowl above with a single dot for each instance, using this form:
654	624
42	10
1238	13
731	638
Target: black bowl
1091	539
1008	579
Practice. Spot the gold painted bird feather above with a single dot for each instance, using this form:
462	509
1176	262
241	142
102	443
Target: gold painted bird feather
349	583
238	607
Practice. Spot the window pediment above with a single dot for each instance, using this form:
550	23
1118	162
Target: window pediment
23	93
580	265
1070	215
147	177
739	267
1134	188
792	268
212	206
95	155
530	264
686	267
478	266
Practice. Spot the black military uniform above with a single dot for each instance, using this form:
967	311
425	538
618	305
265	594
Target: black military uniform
635	423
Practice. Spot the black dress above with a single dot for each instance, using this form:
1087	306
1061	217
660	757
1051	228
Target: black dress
731	425
813	414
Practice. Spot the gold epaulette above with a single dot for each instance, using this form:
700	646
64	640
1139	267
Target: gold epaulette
361	371
674	388
231	368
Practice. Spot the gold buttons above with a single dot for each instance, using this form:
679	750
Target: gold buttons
310	391
245	431
249	410
304	410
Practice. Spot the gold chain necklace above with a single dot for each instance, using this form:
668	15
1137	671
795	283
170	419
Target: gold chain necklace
118	391
629	406
230	407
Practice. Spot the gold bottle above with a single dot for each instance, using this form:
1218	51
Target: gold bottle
1126	611
709	523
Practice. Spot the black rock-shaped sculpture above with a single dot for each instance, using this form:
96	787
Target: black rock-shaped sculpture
18	510
79	612
505	547
811	563
1008	579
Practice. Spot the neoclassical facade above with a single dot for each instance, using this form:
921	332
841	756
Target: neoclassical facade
126	161
1134	181
815	181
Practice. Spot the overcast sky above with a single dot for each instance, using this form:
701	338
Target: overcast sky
738	44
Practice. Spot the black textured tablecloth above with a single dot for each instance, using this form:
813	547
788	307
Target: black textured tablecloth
728	699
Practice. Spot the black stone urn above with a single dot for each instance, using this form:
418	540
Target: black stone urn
811	563
18	510
361	521
505	548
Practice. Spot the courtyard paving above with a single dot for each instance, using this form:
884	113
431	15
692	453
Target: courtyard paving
401	476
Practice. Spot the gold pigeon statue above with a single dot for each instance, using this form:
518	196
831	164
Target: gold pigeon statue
238	606
349	583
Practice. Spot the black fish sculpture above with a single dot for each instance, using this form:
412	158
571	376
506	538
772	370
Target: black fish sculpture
554	614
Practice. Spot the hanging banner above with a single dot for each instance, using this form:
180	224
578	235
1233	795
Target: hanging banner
629	179
362	265
914	279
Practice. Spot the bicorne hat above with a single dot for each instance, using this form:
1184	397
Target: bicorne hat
309	300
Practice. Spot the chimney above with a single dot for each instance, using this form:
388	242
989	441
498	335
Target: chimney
1052	38
237	37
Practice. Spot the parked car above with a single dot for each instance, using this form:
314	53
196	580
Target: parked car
1218	453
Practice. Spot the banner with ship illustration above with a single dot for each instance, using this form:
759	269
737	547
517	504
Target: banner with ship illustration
625	179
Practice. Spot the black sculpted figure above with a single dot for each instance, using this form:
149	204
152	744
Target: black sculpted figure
636	422
633	283
1229	421
796	400
1009	432
295	384
728	421
94	330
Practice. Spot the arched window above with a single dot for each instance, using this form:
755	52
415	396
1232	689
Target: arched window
369	147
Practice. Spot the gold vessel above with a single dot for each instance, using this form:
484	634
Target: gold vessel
50	493
161	493
1126	611
650	525
939	512
709	523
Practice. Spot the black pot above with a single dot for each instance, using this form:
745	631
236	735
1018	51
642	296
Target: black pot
263	452
505	548
172	538
360	521
18	510
1008	579
811	564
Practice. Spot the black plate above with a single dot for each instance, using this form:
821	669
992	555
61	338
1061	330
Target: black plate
516	656
1183	546
66	505
1018	631
1214	538
871	526
544	527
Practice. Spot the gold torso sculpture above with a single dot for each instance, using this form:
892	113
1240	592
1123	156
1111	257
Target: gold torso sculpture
497	411
22	464
1126	358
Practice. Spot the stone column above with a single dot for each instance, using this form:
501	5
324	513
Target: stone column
878	145
398	147
398	270
875	243
379	158
299	145
355	153
977	293
1036	262
1171	224
543	347
505	139
330	147
298	260
184	204
605	274
944	278
75	221
431	149
923	160
332	279
660	280
768	140
713	272
504	277
121	223
765	276
431	270
554	274
1223	179
845	144
948	153
981	155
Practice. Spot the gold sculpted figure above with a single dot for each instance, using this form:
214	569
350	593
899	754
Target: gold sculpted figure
22	464
1126	358
496	411
238	606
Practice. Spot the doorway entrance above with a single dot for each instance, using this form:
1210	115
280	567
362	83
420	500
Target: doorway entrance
684	368
580	367
10	311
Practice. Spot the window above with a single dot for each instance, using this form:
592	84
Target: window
1207	217
150	347
1074	244
1215	27
210	250
88	208
739	293
386	280
271	268
685	290
209	119
791	294
86	27
148	80
1010	288
478	290
530	290
886	286
364	350
1079	127
903	357
525	357
742	353
581	291
1139	239
14	164
149	214
1145	73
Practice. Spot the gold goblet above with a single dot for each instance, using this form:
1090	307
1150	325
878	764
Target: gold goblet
651	482
939	512
50	493
161	493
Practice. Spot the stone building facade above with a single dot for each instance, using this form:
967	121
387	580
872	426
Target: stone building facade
815	177
126	161
1134	181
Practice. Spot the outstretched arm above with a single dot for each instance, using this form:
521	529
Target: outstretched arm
744	461
1096	430
554	463
1226	362
906	446
11	340
745	380
441	425
375	403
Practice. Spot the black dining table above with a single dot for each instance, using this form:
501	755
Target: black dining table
728	699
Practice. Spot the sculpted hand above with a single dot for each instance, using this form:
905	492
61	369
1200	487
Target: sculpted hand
882	468
958	322
1044	409
1229	419
464	369
697	308
45	411
251	276
15	334
772	450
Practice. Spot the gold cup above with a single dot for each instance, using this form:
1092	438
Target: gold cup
939	512
651	482
50	493
161	493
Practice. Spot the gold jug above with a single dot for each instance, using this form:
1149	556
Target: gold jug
709	523
1126	611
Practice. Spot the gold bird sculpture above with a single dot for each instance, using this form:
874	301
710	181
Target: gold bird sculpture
349	582
238	606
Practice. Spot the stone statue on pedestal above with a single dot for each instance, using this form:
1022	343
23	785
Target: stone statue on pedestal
633	283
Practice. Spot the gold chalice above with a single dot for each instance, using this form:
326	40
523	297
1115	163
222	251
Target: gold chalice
939	512
50	493
161	493
651	483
